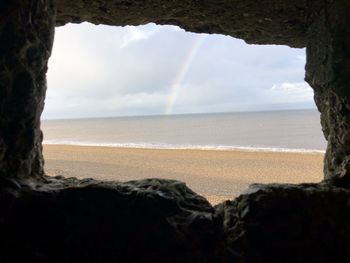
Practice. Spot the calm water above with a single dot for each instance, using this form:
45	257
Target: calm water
276	131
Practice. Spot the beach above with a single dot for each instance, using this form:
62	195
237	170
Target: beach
217	175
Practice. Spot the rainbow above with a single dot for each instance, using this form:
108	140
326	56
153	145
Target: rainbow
183	70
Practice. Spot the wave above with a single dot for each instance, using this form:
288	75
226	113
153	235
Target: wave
185	147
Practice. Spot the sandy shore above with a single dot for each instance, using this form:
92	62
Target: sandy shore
218	175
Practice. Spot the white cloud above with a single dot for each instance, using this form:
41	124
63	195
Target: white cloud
298	92
134	33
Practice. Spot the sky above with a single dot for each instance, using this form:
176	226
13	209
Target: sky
105	71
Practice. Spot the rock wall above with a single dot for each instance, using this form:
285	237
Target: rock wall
26	33
288	223
328	73
265	22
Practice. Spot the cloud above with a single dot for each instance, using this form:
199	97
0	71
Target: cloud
111	71
134	33
297	92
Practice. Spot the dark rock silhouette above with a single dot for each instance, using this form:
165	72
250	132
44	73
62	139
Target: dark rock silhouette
288	223
266	22
70	220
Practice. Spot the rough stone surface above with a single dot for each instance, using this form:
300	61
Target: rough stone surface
70	220
67	220
288	223
263	22
26	32
328	73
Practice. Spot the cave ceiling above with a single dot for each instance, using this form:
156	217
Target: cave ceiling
281	22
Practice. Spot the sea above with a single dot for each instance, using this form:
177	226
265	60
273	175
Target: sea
277	131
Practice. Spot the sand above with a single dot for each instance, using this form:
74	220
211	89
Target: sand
217	175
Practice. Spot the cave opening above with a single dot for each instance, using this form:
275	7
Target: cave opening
158	87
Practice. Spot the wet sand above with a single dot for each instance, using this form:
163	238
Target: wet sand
217	175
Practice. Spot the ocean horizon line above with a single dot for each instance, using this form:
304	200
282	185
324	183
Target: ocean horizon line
163	146
179	114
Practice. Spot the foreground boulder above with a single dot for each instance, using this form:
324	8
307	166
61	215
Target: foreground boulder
71	220
288	223
67	220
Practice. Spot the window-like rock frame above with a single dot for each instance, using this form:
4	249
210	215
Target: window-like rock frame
163	220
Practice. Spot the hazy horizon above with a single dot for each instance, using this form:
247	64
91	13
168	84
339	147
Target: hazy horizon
181	114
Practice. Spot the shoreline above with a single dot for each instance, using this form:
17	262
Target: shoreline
191	147
218	175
